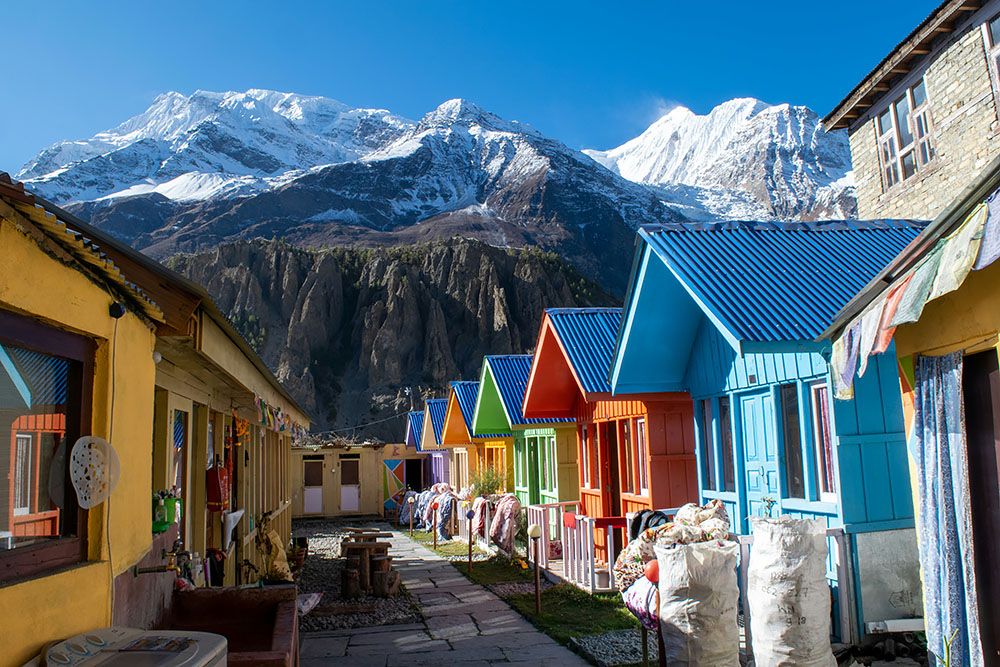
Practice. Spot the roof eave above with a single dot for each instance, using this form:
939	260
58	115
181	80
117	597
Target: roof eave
899	61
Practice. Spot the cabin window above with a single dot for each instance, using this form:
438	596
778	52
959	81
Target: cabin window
708	444
991	30
640	442
45	388
462	469
795	486
726	437
905	140
628	485
585	456
823	437
550	462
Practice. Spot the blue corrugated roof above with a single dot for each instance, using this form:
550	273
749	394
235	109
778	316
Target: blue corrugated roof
772	281
588	335
43	376
510	372
415	420
437	407
466	391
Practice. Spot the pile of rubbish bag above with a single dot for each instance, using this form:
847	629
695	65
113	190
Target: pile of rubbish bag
680	578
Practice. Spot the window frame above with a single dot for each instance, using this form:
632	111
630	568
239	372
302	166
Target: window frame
625	445
50	556
642	454
726	443
585	456
817	424
889	142
992	58
710	463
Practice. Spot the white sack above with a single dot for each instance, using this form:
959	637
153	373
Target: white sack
787	593
698	599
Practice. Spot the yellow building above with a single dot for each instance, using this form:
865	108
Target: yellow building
357	479
939	301
96	339
471	453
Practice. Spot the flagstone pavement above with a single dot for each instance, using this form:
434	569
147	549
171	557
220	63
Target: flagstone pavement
464	624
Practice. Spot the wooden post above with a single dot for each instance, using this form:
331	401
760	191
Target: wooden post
411	520
434	525
538	581
645	646
470	544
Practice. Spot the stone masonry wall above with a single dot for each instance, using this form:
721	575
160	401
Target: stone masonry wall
964	116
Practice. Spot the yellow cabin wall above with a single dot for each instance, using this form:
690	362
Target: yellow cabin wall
50	607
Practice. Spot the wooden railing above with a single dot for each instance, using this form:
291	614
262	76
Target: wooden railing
549	517
481	541
843	616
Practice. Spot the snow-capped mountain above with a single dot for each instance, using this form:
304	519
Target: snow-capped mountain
194	171
210	144
744	159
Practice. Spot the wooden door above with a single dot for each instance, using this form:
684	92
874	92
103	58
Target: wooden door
981	389
610	469
350	484
761	451
312	486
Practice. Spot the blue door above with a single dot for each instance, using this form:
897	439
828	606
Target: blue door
761	451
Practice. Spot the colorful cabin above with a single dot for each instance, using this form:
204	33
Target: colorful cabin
730	312
414	429
438	463
470	452
544	451
635	452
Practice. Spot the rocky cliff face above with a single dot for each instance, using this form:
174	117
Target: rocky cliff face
348	330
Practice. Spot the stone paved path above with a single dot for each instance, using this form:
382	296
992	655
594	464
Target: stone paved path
463	624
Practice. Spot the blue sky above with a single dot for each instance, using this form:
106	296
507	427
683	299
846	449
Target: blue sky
592	74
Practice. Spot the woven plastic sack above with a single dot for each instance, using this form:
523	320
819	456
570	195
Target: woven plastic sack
698	599
787	593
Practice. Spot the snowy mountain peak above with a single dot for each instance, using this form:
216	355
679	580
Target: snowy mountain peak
777	159
226	143
462	112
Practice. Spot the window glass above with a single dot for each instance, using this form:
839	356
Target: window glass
726	436
585	456
824	440
994	29
909	164
708	442
792	442
885	122
40	402
919	94
640	438
902	107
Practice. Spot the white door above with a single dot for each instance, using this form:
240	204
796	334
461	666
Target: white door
312	487
350	485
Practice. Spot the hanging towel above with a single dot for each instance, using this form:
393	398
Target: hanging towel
504	526
989	248
844	360
869	332
479	517
961	248
911	305
944	519
886	330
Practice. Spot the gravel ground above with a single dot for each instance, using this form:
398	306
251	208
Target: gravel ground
622	647
506	589
321	574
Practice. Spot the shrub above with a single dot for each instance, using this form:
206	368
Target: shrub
486	481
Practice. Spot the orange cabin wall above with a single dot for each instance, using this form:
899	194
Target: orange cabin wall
670	460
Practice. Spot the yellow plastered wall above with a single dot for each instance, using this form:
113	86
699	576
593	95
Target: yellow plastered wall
50	607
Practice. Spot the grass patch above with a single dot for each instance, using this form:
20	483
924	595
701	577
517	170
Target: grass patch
445	547
496	570
569	612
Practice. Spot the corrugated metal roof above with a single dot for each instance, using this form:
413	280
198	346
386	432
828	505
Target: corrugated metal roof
510	372
415	420
772	281
466	392
44	377
588	335
437	407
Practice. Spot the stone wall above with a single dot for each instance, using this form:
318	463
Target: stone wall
964	116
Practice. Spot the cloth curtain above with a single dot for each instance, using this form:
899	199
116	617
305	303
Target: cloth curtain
945	518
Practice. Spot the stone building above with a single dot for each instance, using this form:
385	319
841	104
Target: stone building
924	122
